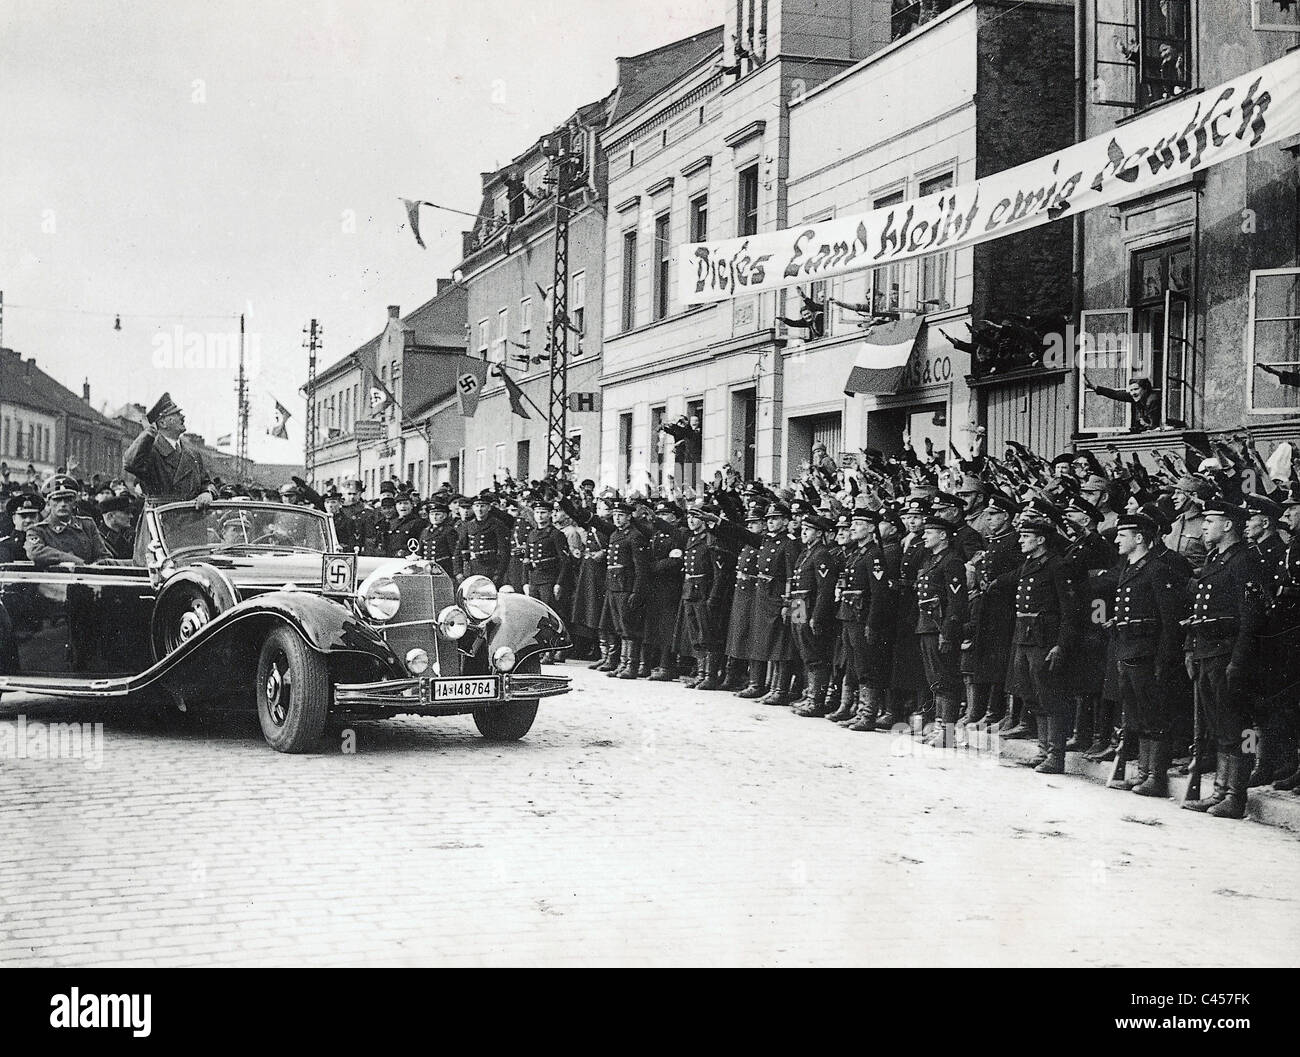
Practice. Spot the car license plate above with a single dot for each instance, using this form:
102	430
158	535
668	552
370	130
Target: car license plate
483	688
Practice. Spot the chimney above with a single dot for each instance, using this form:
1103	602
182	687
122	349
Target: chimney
394	311
85	390
442	286
30	364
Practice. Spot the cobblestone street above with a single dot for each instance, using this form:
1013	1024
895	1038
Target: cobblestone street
639	823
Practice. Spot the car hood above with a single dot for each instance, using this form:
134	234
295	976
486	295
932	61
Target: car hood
267	570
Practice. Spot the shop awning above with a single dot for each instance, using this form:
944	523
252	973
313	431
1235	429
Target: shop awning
882	357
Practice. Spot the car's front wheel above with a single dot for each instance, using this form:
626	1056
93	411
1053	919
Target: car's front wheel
293	692
512	721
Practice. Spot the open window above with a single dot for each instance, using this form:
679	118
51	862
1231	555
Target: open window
1273	342
1104	361
1142	51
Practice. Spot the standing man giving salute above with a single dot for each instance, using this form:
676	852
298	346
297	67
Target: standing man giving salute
168	470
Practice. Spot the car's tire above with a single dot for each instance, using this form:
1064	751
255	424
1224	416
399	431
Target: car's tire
510	722
293	692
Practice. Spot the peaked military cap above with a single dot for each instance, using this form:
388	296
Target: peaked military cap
163	407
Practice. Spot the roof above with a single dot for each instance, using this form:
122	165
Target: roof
640	77
23	383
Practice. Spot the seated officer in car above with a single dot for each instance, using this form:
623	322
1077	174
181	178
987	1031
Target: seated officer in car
64	538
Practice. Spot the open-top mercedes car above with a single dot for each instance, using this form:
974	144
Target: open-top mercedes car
254	604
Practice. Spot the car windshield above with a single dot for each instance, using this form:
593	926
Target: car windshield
235	526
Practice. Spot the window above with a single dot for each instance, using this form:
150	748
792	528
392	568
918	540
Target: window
700	218
688	438
503	333
526	322
663	256
522	456
578	306
1273	342
480	468
625	447
575	448
1142	51
483	337
933	293
747	202
629	279
1149	339
500	452
659	442
887	280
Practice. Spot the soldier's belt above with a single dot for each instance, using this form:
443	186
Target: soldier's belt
743	576
858	594
1019	613
764	577
543	561
935	601
1209	622
802	591
1136	622
613	566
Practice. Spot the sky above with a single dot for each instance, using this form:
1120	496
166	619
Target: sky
175	164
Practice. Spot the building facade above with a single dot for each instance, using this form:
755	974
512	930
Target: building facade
997	93
508	271
1194	287
704	153
417	436
47	426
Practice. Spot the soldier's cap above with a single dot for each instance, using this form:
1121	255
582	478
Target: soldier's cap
1139	522
236	517
1259	504
933	521
436	504
819	446
484	496
842	522
863	514
972	485
404	497
1094	483
333	493
1292	496
288	488
388	500
779	509
1066	457
588	483
163	407
116	502
1082	506
926	490
63	487
1002	502
701	507
621	505
1157	514
354	484
1036	525
1223	508
818	522
799	507
945	499
387	488
667	506
540	502
916	507
23	504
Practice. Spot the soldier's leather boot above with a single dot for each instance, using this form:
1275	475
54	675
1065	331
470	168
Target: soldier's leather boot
649	655
1268	766
1082	736
868	709
779	694
754	688
711	680
1220	787
624	657
631	660
608	656
1160	753
1233	805
735	678
1144	764
890	710
667	670
848	703
1053	737
818	679
1044	726
1100	729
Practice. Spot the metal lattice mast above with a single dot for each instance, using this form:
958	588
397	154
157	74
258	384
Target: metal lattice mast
311	342
564	150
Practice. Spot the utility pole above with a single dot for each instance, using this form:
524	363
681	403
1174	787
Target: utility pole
312	343
565	151
241	457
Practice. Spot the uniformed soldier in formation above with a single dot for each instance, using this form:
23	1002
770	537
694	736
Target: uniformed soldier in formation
698	627
1227	608
484	544
404	535
64	538
941	601
356	521
627	582
663	599
744	631
986	647
909	687
1094	559
1146	622
1276	747
812	607
439	539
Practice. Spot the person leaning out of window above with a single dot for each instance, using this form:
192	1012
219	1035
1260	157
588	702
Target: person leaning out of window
1144	414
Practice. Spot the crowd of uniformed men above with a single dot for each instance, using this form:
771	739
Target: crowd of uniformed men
1131	615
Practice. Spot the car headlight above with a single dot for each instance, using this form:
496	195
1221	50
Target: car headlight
453	623
417	661
503	658
478	595
381	598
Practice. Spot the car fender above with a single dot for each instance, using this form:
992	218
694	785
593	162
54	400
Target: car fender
527	625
